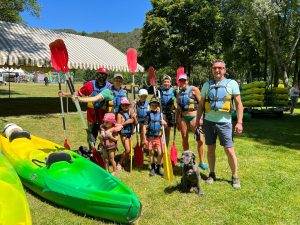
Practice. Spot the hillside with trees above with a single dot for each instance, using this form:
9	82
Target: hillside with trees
121	41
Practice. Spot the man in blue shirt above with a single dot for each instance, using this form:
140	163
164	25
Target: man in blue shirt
216	103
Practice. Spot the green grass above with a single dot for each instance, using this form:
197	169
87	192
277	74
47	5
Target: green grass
268	154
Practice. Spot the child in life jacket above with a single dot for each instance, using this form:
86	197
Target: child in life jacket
142	107
108	141
127	119
152	136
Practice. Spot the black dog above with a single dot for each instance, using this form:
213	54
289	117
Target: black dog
190	173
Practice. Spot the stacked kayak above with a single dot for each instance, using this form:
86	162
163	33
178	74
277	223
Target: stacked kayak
68	179
13	203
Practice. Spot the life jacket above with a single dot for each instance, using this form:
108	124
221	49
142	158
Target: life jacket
218	98
154	126
167	99
96	91
142	109
187	101
127	129
114	105
106	143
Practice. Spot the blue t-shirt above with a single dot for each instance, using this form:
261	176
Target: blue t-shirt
217	116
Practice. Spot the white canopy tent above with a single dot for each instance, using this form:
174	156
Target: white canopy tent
25	46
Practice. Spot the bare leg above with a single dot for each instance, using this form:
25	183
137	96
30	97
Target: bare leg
211	157
200	143
125	154
232	160
184	135
111	156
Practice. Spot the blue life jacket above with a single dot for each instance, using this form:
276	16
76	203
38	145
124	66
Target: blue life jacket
96	91
187	101
167	99
218	98
127	129
142	109
118	95
154	126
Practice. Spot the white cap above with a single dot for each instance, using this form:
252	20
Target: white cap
143	92
182	76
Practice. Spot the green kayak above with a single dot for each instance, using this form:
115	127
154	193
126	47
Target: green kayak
68	179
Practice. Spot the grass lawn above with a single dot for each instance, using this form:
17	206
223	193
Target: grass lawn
268	154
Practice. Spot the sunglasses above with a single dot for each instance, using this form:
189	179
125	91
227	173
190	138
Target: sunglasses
218	67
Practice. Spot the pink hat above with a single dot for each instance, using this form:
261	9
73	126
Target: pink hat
125	101
109	117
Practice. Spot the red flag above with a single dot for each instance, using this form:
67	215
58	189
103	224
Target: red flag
151	73
138	156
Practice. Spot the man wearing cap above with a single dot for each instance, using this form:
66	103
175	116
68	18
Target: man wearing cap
118	92
168	95
188	100
95	110
216	103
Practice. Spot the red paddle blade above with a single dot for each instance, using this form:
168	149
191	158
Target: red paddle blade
66	144
173	154
131	60
180	71
138	155
151	74
59	55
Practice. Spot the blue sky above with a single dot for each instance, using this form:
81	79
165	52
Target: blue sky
90	15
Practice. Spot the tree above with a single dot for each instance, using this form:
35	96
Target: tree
178	33
11	9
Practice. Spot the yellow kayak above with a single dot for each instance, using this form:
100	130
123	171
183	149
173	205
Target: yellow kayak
13	203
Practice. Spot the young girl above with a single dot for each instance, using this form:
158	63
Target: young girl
108	141
127	119
142	107
152	136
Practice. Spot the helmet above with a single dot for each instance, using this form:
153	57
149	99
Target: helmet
143	92
167	77
103	70
125	101
109	117
153	100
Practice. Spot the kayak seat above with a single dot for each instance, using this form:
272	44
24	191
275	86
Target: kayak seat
19	134
58	157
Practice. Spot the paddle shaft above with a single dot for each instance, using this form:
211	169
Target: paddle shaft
62	108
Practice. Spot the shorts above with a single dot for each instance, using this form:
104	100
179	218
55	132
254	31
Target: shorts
169	118
126	135
294	100
154	143
223	130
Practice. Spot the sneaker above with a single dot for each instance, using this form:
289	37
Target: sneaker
152	172
203	166
211	178
236	184
159	171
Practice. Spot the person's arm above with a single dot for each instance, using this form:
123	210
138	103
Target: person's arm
178	112
119	118
239	111
113	136
200	110
103	95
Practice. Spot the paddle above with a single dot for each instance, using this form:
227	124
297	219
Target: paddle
168	170
59	59
131	55
173	151
66	144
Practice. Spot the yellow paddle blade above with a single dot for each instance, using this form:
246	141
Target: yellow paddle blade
168	170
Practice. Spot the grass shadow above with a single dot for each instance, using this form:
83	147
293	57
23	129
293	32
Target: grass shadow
274	131
34	106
